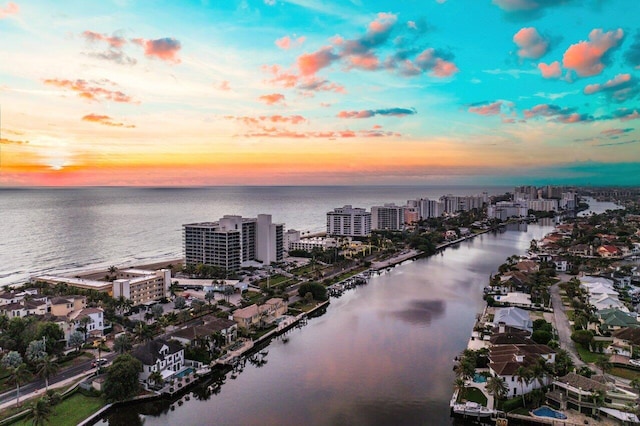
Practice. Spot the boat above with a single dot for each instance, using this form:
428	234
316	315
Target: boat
472	409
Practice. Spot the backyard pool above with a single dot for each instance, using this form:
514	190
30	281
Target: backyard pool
545	411
479	378
185	372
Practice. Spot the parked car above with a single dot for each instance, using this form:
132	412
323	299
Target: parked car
99	362
635	362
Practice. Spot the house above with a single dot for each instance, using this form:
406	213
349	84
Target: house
514	317
561	264
514	299
605	301
578	393
91	318
163	356
257	314
62	306
516	280
505	360
527	266
608	251
615	319
13	310
580	250
206	330
624	341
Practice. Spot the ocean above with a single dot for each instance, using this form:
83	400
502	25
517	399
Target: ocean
68	230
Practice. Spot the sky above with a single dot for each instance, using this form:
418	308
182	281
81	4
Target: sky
319	92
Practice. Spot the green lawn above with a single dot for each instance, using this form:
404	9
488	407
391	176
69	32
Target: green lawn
570	315
71	411
475	395
586	355
625	373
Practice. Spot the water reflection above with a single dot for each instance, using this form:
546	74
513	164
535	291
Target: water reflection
381	355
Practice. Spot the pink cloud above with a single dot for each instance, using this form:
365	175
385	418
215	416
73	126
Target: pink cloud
105	120
585	57
493	108
281	77
113	41
165	49
10	9
443	68
91	91
620	88
293	119
311	63
552	70
287	42
315	84
272	99
367	62
383	23
531	44
395	112
223	85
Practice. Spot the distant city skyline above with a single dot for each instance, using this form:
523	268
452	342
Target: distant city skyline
310	92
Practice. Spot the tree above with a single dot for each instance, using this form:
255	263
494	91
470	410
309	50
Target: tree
41	411
18	375
583	337
603	364
318	291
36	351
122	344
541	337
209	296
122	378
496	388
564	363
11	360
157	311
524	378
76	339
53	336
179	302
461	386
156	378
47	367
84	322
143	332
635	384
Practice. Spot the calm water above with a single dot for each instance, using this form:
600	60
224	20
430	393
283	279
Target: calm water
381	355
66	230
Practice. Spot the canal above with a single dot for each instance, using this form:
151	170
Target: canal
382	354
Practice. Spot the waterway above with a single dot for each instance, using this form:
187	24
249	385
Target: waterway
382	354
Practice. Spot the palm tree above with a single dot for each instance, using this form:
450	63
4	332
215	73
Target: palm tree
524	378
156	378
41	411
460	385
635	384
603	363
18	375
122	344
497	388
47	367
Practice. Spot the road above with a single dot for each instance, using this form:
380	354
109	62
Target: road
563	327
38	385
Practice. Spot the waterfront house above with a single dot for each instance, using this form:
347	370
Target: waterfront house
258	315
206	332
163	356
514	317
527	266
582	394
505	360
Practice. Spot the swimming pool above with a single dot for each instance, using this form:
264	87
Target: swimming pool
185	372
479	378
545	411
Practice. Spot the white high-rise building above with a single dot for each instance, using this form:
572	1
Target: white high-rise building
388	217
349	222
233	240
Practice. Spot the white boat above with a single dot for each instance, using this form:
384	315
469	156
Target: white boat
472	409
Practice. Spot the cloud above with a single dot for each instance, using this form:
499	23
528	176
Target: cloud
429	60
91	91
293	119
117	56
557	113
550	71
310	83
531	44
105	120
165	49
633	54
626	114
618	89
493	108
10	9
272	99
395	112
270	2
619	143
223	85
340	134
113	41
4	141
315	84
588	58
287	42
616	132
519	10
311	63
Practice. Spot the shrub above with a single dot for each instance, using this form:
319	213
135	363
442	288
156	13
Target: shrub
511	404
